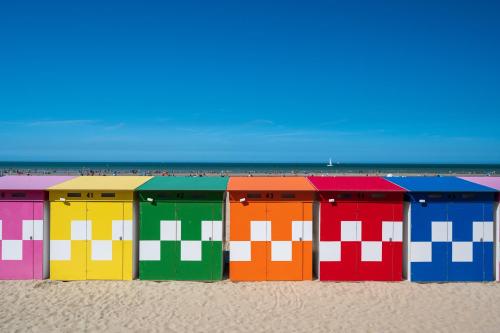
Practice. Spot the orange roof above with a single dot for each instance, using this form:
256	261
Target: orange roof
269	184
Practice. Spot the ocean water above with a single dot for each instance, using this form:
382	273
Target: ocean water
172	168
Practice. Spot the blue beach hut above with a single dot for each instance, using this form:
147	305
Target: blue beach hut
449	231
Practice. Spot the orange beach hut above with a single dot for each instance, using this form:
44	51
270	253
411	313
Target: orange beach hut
270	228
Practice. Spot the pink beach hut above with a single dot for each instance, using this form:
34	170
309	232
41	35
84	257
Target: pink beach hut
24	227
493	182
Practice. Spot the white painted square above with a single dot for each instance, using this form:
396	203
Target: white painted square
442	231
488	231
0	229
170	230
38	229
482	230
12	250
387	231
461	252
350	231
371	251
307	231
121	228
217	230
81	230
117	229
240	251
392	231
398	231
128	230
302	230
191	250
281	251
149	250
102	250
211	230
27	229
60	250
297	230
260	230
329	251
421	252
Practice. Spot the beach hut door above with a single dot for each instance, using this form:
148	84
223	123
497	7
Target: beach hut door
105	245
16	240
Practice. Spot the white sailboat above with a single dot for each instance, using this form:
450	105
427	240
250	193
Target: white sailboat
330	162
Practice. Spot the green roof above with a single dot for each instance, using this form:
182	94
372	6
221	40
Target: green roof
185	184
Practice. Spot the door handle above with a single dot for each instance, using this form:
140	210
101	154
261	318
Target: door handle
300	239
209	238
390	239
481	239
121	238
31	237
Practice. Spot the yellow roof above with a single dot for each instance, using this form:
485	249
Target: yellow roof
102	183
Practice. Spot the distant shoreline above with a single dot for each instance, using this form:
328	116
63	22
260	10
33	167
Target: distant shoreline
244	169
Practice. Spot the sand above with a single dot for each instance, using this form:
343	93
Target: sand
248	307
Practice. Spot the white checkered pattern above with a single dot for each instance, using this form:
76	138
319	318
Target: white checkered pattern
351	231
170	230
260	231
81	230
442	231
12	249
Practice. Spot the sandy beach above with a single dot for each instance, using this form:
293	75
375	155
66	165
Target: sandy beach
248	307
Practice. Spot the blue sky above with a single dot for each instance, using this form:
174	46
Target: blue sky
285	81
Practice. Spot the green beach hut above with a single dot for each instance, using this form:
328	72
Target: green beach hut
181	228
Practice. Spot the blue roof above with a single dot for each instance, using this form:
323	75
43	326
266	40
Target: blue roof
438	184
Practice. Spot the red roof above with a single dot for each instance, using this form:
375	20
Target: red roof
354	184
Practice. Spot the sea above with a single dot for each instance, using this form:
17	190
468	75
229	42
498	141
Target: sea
206	168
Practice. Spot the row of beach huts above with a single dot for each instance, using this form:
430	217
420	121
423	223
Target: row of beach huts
276	228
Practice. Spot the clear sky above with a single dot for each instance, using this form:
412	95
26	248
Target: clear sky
285	81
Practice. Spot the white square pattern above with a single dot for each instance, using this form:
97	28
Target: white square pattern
302	230
121	229
102	250
392	231
81	230
191	250
371	251
421	251
170	230
240	251
149	250
32	229
350	231
260	230
60	250
281	251
482	231
442	231
460	251
329	251
211	230
12	250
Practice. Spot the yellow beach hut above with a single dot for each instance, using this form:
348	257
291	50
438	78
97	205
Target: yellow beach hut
93	229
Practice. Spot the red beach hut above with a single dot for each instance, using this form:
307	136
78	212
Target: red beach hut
360	223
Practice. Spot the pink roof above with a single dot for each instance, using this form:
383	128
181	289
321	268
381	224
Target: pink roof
354	184
28	183
493	182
